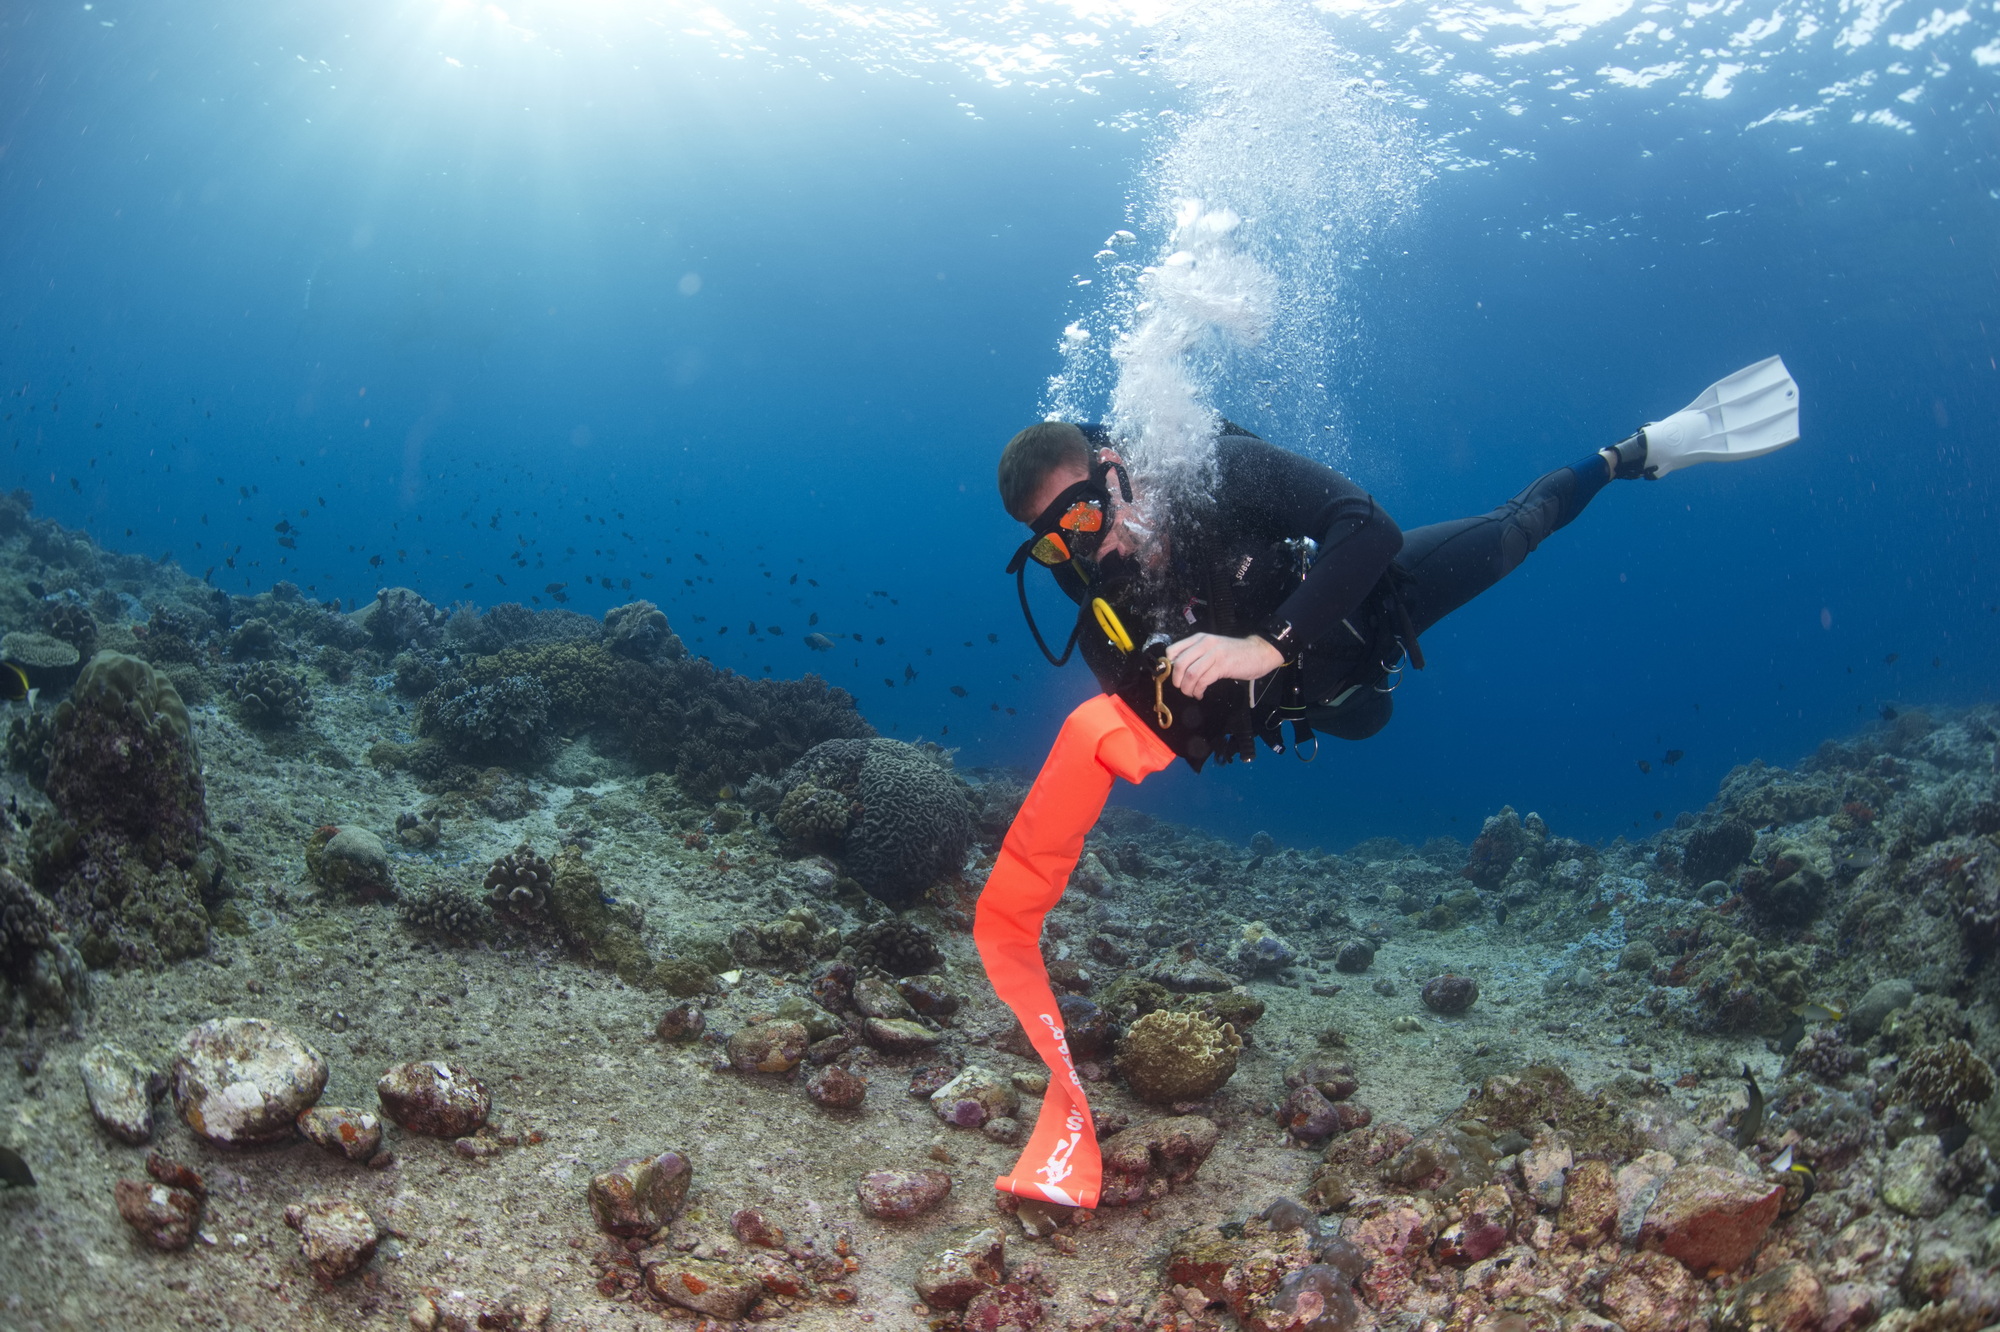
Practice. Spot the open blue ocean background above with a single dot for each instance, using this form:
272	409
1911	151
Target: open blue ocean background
733	308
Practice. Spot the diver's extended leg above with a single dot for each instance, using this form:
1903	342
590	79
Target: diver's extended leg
1448	564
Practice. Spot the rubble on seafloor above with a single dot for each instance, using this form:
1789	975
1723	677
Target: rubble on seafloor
443	968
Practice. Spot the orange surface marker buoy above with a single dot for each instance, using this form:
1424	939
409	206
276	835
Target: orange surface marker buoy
1103	739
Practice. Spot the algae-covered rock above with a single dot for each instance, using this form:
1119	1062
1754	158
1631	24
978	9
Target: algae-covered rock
351	862
125	778
1167	1057
594	925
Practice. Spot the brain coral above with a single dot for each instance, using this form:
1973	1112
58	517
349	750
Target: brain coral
1168	1057
910	824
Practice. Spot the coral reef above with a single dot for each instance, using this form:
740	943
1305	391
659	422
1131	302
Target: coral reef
123	858
639	629
445	912
271	696
506	721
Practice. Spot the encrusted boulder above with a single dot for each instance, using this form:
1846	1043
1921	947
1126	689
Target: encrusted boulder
1650	1292
1788	1298
1911	1181
432	1097
1710	1218
1147	1161
241	1081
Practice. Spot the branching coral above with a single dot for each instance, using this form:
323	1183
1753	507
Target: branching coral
518	884
271	696
1947	1079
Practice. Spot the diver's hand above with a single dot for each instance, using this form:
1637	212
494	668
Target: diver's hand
1199	660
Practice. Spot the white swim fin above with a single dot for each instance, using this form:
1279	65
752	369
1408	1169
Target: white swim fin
1752	412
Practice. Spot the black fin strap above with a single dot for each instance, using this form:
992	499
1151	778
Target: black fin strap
1021	587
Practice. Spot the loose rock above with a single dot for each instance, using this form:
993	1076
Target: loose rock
164	1216
976	1095
1355	956
898	1195
119	1086
355	1134
240	1081
769	1047
877	998
682	1022
1450	994
1788	1298
715	1289
432	1097
336	1237
639	1195
834	1088
892	1036
953	1278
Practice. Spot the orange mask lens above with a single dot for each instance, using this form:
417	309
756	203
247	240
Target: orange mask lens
1083	516
1050	550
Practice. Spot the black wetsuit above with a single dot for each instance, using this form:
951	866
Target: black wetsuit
1345	613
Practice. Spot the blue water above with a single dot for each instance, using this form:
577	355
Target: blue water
644	300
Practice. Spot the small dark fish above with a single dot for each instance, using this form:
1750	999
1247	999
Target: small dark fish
819	642
992	638
289	543
812	619
13	682
959	690
1500	914
1673	756
283	525
1645	766
909	673
14	1171
374	561
1890	660
1752	1122
776	630
1789	1039
1888	713
1937	661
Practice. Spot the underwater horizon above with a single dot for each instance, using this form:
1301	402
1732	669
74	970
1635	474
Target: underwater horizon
528	801
623	288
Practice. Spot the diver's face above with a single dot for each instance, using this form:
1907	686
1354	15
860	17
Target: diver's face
1116	539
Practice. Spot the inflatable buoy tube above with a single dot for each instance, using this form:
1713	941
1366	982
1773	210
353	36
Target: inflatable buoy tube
1102	740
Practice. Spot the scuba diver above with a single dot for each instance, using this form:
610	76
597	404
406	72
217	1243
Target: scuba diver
1281	595
1285	594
